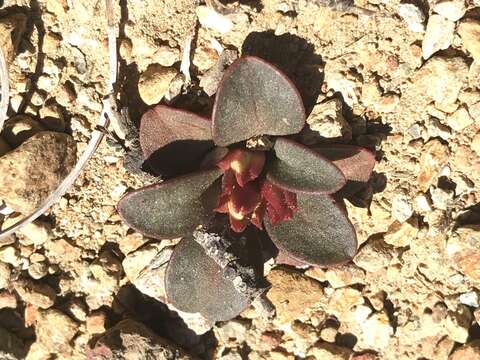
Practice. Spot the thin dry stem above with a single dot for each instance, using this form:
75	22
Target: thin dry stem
4	89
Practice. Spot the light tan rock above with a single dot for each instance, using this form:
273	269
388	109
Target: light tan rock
343	300
460	119
328	121
8	300
339	276
453	10
36	233
469	31
401	234
55	330
458	323
438	36
95	322
31	172
292	294
475	145
440	79
434	156
154	83
5	273
211	19
37	270
376	332
77	309
374	255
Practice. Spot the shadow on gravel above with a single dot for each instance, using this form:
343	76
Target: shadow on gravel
132	304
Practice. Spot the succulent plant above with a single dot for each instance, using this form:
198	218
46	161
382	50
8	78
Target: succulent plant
250	168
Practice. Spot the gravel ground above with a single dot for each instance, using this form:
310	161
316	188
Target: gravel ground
402	79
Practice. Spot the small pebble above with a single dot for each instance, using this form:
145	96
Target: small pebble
469	298
413	16
154	83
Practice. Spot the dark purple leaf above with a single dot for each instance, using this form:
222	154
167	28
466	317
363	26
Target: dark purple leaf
194	283
255	98
320	232
173	208
298	169
173	141
355	162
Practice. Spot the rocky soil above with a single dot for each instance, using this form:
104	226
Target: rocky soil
400	78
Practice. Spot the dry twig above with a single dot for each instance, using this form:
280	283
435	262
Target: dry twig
4	89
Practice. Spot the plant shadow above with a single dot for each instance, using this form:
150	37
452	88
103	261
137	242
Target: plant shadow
130	303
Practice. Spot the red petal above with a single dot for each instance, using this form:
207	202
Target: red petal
238	225
228	182
257	216
244	200
254	168
223	204
247	165
281	204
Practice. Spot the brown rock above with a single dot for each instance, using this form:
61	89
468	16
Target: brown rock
327	351
292	293
463	247
470	351
55	330
132	340
434	156
37	294
34	170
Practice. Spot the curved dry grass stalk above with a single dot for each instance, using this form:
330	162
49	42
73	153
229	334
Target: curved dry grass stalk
97	134
4	89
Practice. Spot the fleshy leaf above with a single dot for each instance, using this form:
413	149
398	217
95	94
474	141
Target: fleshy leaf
194	284
173	141
355	162
298	169
320	232
255	98
173	208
